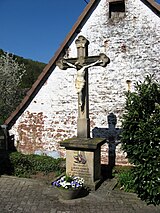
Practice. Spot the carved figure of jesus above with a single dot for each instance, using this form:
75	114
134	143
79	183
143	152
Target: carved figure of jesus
80	78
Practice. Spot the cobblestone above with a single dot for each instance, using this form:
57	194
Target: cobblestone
20	195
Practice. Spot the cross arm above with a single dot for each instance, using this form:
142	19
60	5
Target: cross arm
64	64
83	61
102	58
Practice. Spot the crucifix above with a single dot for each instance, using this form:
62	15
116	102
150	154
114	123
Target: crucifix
81	64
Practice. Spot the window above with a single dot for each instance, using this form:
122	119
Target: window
116	6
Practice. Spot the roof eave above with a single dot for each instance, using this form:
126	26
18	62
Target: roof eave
155	7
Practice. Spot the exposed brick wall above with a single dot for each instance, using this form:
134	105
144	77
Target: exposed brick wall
131	41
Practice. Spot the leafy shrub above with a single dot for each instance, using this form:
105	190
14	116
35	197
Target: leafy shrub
141	138
126	180
124	177
25	165
46	164
22	165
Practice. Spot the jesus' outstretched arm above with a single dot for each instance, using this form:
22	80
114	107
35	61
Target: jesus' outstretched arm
92	64
69	64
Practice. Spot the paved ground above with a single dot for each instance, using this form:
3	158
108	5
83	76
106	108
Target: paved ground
20	195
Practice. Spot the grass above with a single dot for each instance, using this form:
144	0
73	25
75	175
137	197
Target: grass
124	178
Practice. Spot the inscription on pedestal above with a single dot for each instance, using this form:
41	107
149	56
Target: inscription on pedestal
81	170
80	163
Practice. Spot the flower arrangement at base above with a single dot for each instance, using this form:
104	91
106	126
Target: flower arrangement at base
70	186
68	182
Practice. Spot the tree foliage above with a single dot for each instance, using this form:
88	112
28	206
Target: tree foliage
16	77
33	70
11	73
141	138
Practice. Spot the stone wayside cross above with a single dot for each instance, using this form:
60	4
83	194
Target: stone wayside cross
81	64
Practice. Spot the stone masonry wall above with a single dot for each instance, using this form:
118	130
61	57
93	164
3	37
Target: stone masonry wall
131	41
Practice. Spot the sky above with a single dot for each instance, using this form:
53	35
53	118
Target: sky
34	29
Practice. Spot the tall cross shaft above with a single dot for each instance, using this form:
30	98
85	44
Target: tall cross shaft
84	61
83	121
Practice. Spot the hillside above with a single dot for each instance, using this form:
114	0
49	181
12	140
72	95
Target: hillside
33	69
10	98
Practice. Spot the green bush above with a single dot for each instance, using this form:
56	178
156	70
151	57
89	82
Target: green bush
126	180
22	165
141	138
124	177
46	164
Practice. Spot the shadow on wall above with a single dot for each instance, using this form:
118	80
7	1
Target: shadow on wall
112	135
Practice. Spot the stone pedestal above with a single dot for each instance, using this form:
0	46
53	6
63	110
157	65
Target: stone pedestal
83	158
